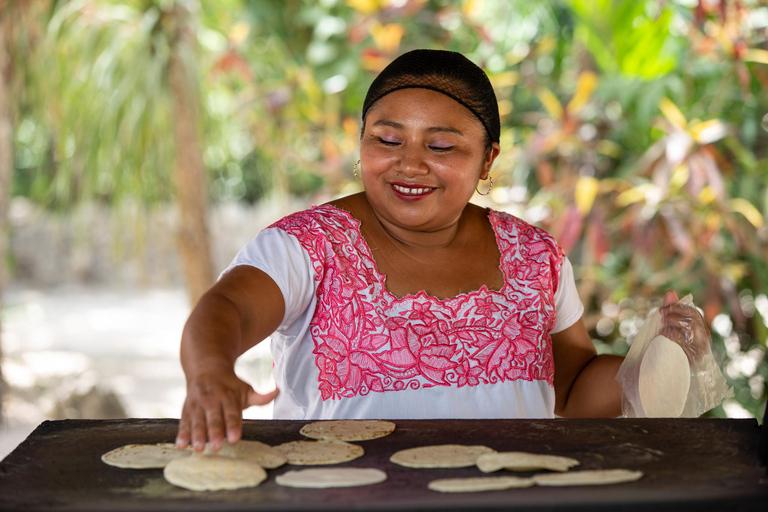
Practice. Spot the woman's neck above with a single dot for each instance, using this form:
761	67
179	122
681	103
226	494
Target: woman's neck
441	238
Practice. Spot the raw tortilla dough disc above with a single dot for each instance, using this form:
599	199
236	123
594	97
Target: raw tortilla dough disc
479	483
348	430
522	461
440	456
665	377
321	478
213	473
252	451
144	456
594	477
307	453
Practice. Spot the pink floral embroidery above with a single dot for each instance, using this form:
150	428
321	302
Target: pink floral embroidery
368	340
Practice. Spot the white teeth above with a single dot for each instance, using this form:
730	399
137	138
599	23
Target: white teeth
411	191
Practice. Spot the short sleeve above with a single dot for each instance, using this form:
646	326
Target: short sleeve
568	306
281	256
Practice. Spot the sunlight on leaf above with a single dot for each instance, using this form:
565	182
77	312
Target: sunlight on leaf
584	89
239	33
708	132
634	194
672	113
472	8
609	148
756	55
585	193
367	6
679	176
748	210
387	37
551	103
707	195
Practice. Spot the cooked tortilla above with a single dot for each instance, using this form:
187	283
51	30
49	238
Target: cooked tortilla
522	461
348	430
306	453
213	473
479	484
440	456
321	478
593	477
144	456
252	451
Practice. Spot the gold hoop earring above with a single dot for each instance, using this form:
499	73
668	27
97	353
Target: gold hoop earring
354	169
490	186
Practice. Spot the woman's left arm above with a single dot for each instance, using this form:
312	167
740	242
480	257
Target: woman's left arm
585	383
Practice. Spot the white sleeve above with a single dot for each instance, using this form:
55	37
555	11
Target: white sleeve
568	306
282	258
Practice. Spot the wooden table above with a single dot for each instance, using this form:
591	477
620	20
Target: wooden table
689	464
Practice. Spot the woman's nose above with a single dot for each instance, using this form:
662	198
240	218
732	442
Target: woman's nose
412	162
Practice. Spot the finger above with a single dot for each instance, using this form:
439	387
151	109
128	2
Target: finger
199	431
233	420
255	398
670	298
183	435
215	424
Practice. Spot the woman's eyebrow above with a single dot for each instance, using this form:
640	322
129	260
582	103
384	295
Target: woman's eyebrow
431	129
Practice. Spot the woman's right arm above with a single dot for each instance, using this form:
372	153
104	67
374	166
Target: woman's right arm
240	310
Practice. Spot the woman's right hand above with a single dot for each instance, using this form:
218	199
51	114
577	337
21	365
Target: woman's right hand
213	409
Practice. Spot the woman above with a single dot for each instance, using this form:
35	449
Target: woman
404	301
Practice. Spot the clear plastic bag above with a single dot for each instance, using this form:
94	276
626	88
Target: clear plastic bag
708	387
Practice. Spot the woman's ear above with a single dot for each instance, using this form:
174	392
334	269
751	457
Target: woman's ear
490	156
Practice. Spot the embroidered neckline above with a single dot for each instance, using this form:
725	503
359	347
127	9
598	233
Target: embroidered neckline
365	248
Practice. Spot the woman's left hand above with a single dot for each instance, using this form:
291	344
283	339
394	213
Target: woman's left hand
684	325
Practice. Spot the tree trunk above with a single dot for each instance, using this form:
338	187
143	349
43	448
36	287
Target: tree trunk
6	170
189	174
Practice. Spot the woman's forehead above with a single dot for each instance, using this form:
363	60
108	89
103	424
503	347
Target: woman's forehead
423	106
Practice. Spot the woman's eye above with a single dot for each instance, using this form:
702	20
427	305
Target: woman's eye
389	142
440	148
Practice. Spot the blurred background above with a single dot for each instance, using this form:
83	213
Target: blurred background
143	142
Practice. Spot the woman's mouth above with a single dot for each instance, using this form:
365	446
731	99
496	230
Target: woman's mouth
411	191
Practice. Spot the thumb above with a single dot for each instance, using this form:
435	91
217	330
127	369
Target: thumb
670	298
255	398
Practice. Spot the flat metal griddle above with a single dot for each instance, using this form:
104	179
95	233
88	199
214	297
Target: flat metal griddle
689	464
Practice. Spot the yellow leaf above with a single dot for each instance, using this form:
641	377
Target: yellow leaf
585	193
350	127
756	55
239	32
748	210
546	45
505	107
708	132
366	6
707	195
736	271
679	176
472	8
584	89
608	148
506	79
387	37
551	103
713	220
633	195
672	113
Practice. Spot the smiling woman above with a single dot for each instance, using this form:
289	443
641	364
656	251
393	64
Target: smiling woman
405	300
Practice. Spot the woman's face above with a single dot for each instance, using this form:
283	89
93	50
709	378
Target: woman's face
422	154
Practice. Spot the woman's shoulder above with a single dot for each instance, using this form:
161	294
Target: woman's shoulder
510	225
322	217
